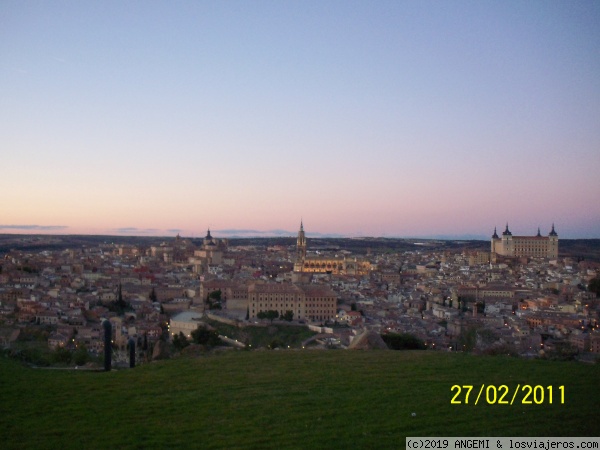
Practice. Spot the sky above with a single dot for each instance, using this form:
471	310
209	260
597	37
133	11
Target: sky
360	118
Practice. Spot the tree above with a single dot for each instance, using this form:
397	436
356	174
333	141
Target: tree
180	341
248	313
213	300
120	304
164	335
289	316
562	351
203	336
594	286
403	341
61	356
215	295
81	355
153	296
480	305
467	340
275	343
353	306
272	315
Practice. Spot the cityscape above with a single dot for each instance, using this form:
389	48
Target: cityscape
515	295
299	224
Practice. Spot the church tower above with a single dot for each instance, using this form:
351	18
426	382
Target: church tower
301	244
495	240
507	242
553	244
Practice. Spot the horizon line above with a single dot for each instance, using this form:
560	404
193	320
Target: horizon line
281	234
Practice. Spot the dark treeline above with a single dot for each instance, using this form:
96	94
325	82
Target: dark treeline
579	249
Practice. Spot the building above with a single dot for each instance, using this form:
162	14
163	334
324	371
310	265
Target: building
234	294
326	264
525	246
307	302
320	302
56	340
162	251
210	253
185	323
477	258
275	297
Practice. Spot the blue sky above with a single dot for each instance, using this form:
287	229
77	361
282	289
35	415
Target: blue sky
364	118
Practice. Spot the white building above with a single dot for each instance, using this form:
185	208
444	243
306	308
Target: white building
185	323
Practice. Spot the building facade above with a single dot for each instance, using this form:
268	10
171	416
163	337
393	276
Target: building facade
307	302
326	264
525	246
209	254
185	323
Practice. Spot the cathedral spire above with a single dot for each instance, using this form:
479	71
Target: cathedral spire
301	243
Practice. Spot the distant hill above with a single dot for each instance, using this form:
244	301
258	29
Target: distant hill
588	249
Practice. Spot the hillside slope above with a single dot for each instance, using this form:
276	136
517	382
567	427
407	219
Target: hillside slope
288	399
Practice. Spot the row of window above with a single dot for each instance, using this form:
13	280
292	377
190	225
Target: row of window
322	266
270	305
311	303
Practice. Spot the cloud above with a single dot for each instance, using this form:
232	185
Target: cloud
243	233
460	237
232	232
134	230
33	227
174	230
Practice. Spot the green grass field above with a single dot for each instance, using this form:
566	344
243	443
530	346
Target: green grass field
280	334
288	399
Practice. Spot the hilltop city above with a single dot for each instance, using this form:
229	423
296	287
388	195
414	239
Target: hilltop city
517	296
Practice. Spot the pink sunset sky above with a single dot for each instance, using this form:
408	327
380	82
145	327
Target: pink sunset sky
398	119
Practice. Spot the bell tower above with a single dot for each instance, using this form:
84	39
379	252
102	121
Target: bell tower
495	240
301	244
552	250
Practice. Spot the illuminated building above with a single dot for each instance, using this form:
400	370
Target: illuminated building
525	246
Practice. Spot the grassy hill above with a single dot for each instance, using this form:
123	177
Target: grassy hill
288	399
